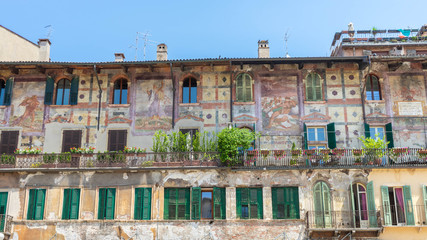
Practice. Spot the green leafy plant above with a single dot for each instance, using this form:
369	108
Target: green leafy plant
229	142
160	142
82	150
103	157
7	159
134	150
373	147
36	165
64	157
49	158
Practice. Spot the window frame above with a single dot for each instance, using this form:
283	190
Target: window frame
110	138
240	202
286	190
141	204
67	205
316	143
63	92
369	78
122	81
31	206
104	214
186	203
245	88
376	131
189	99
9	146
2	92
78	133
310	86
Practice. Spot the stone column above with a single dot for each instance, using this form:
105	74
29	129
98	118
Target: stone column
230	199
267	203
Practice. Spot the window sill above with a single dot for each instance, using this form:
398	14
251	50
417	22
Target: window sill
3	106
61	106
118	105
189	104
375	101
314	102
243	103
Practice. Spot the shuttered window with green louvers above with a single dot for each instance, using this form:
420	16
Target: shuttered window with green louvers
36	204
313	87
244	88
249	203
285	202
142	204
71	202
177	204
106	204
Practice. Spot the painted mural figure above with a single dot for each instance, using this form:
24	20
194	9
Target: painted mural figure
155	111
31	104
279	111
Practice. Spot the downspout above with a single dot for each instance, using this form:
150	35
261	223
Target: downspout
231	94
362	95
173	97
99	98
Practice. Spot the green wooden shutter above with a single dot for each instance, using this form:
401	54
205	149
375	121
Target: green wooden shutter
409	208
110	203
66	204
75	202
260	204
293	198
274	201
317	88
195	203
223	206
247	88
389	135
8	92
305	136
31	204
239	202
353	209
166	204
101	203
367	131
332	141
372	212
327	205
239	89
318	205
39	208
74	91
3	204
386	205
425	203
146	206
219	203
309	90
48	94
138	203
187	204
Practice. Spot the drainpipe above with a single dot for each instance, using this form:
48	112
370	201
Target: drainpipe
231	94
362	95
173	97
100	96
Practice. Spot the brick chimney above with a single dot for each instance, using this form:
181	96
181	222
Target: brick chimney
44	50
162	52
263	49
119	57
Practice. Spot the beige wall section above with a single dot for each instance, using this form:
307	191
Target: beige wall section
87	207
124	200
267	203
15	48
230	202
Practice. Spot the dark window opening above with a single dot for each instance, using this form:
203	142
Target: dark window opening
120	94
117	140
63	89
9	142
189	90
71	139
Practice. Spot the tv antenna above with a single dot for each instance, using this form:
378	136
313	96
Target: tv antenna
49	31
147	41
286	38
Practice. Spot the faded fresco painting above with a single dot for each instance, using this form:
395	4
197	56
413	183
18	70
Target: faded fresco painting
154	108
407	87
279	104
27	106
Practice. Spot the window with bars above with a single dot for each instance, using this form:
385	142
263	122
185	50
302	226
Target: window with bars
373	88
36	204
142	204
9	142
117	140
106	205
285	202
244	88
177	203
189	90
71	202
249	203
70	139
120	93
313	89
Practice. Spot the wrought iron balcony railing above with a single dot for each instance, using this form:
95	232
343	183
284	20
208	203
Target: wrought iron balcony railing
110	159
343	219
5	223
335	158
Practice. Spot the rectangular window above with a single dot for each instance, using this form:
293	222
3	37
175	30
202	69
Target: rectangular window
177	203
249	203
9	142
70	139
316	134
3	205
117	140
36	204
142	204
107	203
71	202
285	202
376	130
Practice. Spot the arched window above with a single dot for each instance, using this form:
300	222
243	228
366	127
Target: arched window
120	93
313	89
189	90
322	205
360	205
244	88
63	88
2	91
373	90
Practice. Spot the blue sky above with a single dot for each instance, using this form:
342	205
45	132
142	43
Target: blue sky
95	30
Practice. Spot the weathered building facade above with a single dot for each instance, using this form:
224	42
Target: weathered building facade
318	104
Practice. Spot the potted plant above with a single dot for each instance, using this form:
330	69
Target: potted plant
7	161
64	160
49	160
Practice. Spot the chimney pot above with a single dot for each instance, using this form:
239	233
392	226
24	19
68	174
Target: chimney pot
162	52
119	57
44	50
263	49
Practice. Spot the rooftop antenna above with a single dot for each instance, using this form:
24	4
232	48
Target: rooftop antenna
286	37
146	42
49	31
